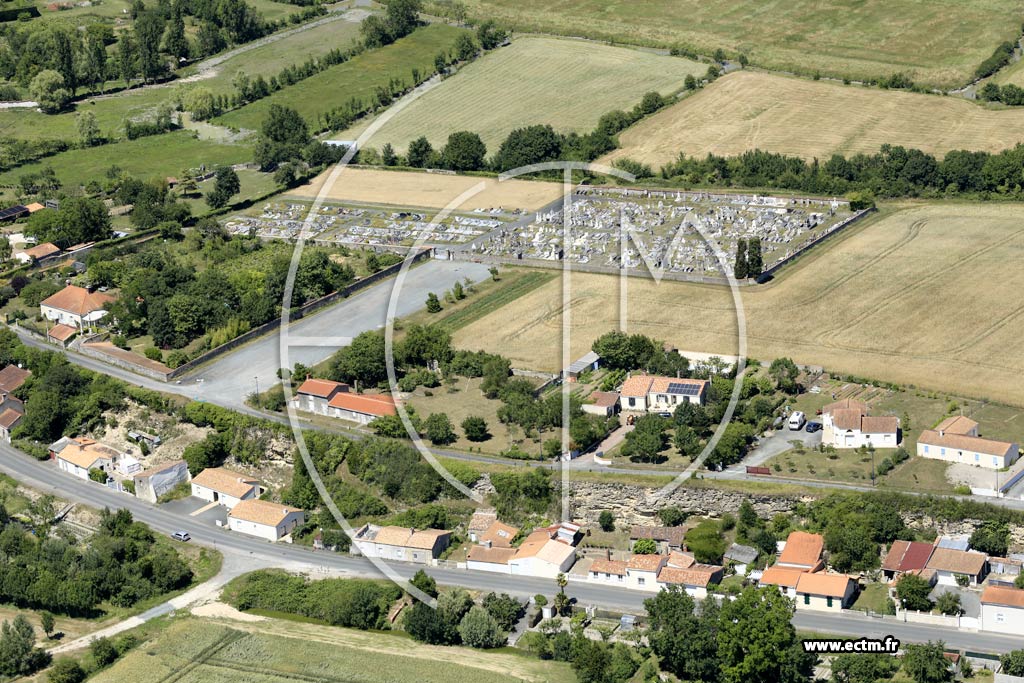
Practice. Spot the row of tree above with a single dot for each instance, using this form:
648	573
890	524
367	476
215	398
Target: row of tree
749	262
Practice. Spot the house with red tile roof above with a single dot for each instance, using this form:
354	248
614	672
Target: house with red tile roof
76	306
948	564
61	334
785	578
956	439
906	556
314	395
656	394
695	579
1002	610
824	592
847	424
12	377
802	551
361	408
400	543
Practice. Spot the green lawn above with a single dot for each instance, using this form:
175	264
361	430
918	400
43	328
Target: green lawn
357	78
873	598
155	156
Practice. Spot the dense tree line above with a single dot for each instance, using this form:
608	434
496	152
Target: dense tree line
355	603
121	563
893	171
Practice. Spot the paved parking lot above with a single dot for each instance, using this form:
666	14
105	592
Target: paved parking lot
188	506
778	442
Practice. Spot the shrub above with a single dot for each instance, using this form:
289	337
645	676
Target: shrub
154	353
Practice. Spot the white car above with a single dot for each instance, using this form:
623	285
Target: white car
796	421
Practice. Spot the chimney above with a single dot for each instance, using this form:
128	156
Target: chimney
488	543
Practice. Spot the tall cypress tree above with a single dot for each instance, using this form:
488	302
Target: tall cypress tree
740	269
755	263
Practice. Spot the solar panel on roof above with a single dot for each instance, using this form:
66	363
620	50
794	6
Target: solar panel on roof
684	389
12	212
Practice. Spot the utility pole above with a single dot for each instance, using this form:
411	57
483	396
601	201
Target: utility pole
257	385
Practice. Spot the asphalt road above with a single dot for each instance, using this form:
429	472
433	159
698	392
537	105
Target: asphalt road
45	477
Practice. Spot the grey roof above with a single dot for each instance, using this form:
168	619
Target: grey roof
744	554
60	444
954	542
584	362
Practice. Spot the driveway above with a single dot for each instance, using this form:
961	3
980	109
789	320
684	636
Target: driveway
228	379
969	600
191	506
778	442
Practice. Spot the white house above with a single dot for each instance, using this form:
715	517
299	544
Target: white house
956	439
948	564
78	456
642	571
400	543
786	578
76	306
264	519
824	592
1002	610
694	579
655	394
152	483
541	554
741	557
846	424
608	571
361	408
228	488
482	558
313	395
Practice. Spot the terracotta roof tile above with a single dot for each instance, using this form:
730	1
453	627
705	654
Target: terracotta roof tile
61	332
958	424
85	452
43	250
820	583
367	404
846	404
905	556
479	553
225	481
500	535
641	385
261	512
674	535
12	377
608	567
1001	595
78	300
322	388
802	549
956	561
646	563
781	576
962	442
697	575
9	418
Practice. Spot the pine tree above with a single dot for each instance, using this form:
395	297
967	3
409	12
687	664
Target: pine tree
740	270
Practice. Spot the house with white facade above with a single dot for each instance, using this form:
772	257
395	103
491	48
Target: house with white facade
948	564
1002	610
79	455
846	424
785	578
694	579
219	485
482	558
956	439
264	519
154	482
400	543
76	307
546	552
360	408
313	395
824	592
656	394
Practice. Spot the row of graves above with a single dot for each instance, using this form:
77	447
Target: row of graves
676	232
362	226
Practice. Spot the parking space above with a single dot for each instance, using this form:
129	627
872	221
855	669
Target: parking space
194	508
773	443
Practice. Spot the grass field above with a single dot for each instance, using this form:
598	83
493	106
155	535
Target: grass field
359	78
896	298
565	83
155	156
751	110
430	190
940	42
273	651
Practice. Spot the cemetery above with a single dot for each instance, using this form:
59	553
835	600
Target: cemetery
363	226
637	230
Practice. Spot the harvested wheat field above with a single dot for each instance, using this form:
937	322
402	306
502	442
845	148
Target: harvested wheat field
939	42
924	294
748	110
431	190
568	84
